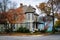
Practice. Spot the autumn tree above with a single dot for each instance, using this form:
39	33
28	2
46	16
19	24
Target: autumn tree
3	10
45	8
5	5
50	8
11	15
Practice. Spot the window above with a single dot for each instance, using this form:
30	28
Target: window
28	25
32	17
13	26
28	16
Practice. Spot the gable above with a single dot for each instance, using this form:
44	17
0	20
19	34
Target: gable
30	9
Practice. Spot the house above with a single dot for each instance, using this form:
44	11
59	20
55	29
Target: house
24	16
47	24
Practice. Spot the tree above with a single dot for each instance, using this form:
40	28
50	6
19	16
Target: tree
47	7
4	7
12	15
57	24
1	7
3	11
55	8
50	8
55	2
44	8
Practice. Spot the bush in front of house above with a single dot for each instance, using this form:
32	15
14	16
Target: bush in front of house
23	30
42	31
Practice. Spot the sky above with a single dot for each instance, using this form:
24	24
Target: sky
29	2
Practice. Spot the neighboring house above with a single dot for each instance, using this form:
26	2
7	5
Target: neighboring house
48	24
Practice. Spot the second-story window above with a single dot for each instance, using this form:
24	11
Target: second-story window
28	16
32	17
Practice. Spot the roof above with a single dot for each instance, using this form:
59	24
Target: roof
19	10
30	9
25	8
16	15
36	14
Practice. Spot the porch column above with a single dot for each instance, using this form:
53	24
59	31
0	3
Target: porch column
31	27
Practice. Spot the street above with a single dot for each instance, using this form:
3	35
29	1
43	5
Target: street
49	37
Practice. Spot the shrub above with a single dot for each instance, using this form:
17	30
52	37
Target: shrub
42	31
23	30
7	30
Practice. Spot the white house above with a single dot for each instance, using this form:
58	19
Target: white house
30	18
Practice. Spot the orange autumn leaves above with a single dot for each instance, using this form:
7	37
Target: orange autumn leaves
42	6
16	15
2	18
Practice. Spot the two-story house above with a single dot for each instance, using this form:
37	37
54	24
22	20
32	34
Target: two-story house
24	16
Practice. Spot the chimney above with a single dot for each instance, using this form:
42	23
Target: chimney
21	5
